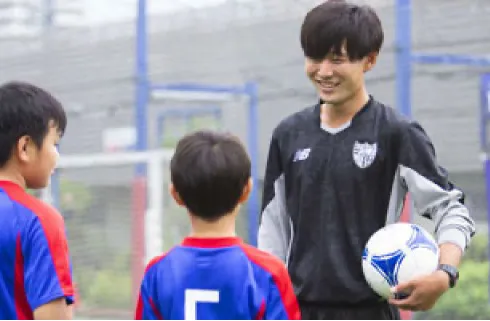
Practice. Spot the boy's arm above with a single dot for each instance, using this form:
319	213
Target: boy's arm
54	310
282	303
47	271
146	308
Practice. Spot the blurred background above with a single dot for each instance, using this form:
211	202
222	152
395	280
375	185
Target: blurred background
135	75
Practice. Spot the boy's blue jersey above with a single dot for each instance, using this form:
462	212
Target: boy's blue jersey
216	279
35	267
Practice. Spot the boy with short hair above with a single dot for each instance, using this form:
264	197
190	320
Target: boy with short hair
213	274
35	274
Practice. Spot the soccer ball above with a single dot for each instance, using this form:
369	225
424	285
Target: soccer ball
398	253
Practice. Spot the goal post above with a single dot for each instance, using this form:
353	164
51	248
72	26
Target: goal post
109	242
155	161
228	98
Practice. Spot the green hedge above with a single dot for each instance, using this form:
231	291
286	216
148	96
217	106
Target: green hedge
469	299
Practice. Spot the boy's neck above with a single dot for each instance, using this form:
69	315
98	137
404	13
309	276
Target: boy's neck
335	116
224	227
7	174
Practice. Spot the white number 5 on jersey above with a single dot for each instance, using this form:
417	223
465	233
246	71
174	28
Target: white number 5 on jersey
192	297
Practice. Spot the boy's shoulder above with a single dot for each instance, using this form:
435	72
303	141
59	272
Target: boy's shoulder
42	210
262	259
266	261
157	262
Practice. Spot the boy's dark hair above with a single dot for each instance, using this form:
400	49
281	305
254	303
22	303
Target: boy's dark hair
209	171
329	25
26	110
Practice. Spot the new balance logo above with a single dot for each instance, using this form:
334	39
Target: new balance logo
301	154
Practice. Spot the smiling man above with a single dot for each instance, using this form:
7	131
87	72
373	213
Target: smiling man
339	171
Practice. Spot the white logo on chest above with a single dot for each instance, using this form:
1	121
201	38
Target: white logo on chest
301	154
364	154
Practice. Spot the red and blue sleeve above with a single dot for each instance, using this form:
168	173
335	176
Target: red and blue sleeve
146	308
281	302
47	269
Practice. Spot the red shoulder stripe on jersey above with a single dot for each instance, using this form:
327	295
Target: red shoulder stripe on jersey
53	227
280	276
211	242
155	310
260	314
155	260
22	307
139	308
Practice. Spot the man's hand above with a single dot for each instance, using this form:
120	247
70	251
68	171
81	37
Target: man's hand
422	292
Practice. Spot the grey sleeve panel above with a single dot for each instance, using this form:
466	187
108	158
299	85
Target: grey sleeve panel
452	220
429	187
397	198
275	230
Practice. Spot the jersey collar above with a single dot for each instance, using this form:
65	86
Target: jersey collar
10	185
211	242
357	115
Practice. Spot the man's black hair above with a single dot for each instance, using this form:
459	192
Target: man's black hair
330	25
209	171
26	109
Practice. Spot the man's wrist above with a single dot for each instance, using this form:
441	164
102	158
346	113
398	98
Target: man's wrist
451	273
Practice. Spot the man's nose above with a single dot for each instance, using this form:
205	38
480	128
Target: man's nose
325	68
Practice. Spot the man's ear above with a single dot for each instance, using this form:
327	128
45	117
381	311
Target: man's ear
370	61
246	191
175	195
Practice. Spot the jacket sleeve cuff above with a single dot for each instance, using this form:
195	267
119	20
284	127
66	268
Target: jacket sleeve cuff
454	236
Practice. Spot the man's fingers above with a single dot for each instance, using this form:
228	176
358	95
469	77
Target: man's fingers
405	304
404	287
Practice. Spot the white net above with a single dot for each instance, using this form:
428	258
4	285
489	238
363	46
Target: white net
114	225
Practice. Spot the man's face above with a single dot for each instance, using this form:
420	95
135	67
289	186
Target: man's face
336	78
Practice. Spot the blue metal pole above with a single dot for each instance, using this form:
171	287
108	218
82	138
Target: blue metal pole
450	59
253	145
484	111
403	83
141	81
55	186
55	189
403	57
48	14
484	117
195	87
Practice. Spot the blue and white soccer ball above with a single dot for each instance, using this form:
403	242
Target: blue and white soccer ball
398	253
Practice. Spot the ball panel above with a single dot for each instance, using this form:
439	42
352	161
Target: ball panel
375	279
388	265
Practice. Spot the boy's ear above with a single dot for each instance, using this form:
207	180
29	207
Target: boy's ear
246	191
24	148
175	195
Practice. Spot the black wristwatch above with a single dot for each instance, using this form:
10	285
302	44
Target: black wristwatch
452	272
